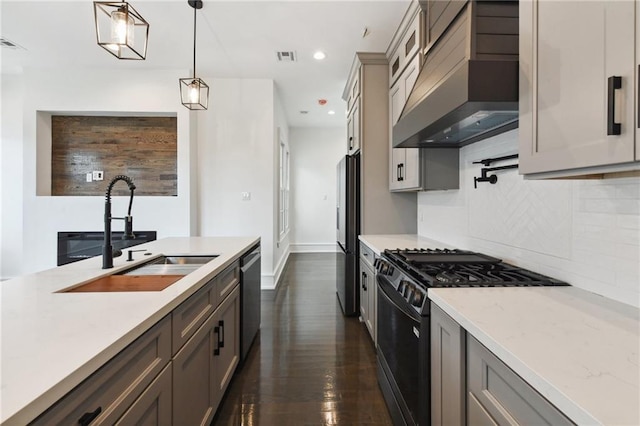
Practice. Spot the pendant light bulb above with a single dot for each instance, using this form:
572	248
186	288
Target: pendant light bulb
122	27
194	92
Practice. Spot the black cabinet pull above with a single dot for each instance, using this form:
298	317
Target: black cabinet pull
221	342
350	142
216	349
398	173
87	418
613	83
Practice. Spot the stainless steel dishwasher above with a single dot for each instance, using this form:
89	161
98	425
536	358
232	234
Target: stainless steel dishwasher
250	295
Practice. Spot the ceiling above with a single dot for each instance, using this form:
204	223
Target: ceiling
236	39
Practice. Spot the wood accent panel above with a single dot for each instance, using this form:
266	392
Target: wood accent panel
143	148
118	283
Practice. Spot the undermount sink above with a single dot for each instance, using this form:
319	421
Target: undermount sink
154	275
169	265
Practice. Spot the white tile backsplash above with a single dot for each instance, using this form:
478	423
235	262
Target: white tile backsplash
586	232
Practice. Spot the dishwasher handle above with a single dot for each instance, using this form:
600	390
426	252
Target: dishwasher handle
254	257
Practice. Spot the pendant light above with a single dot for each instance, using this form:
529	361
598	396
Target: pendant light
121	30
194	92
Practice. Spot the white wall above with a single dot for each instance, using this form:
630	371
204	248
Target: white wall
11	177
237	152
586	232
315	153
81	92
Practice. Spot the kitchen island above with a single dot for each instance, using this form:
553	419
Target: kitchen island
578	350
52	341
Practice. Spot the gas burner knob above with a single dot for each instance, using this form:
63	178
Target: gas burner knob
417	299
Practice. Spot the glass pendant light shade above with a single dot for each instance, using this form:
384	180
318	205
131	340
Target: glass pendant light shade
194	93
121	30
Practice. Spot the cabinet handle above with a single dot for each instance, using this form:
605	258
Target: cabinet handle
221	342
398	172
613	83
350	142
401	166
216	349
87	418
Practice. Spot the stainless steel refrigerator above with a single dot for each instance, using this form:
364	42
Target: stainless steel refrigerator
348	229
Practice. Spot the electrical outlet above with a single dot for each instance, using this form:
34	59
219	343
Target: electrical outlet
246	196
89	177
98	175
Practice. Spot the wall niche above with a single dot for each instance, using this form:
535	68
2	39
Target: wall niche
142	147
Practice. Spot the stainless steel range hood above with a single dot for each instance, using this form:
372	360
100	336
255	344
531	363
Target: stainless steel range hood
476	100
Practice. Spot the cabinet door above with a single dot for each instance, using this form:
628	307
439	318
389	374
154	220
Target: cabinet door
354	141
496	392
194	378
396	103
447	369
568	52
373	301
405	162
364	295
153	407
227	343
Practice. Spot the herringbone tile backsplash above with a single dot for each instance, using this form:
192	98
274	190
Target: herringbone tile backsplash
586	232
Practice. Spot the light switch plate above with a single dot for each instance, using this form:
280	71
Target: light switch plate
246	196
89	177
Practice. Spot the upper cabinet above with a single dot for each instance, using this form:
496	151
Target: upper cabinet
353	113
407	166
578	88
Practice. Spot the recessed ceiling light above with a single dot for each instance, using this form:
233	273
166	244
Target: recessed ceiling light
319	55
331	112
304	112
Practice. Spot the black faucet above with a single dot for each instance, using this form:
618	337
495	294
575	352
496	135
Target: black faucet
107	250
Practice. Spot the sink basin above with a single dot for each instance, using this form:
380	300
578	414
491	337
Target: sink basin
170	265
154	275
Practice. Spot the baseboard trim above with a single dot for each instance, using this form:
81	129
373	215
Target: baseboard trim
313	248
271	281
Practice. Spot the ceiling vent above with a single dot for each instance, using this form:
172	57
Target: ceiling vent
286	56
8	44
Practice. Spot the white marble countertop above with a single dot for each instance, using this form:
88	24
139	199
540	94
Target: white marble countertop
579	350
52	341
378	243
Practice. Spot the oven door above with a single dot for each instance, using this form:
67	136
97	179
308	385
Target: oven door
399	350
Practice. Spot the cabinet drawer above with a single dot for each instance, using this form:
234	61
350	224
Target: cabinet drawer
192	313
111	390
367	255
226	281
503	395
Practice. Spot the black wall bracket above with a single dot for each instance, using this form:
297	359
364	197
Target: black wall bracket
484	172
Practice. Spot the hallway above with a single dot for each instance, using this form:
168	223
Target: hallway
309	365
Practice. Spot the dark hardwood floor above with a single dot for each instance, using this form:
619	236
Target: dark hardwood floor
309	364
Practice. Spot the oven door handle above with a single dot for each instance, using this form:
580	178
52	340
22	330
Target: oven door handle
384	286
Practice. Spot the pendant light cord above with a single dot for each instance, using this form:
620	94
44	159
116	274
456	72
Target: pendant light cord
195	10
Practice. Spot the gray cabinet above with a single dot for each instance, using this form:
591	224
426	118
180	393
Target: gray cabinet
381	212
194	396
368	292
106	395
566	66
496	395
204	366
447	369
227	319
153	408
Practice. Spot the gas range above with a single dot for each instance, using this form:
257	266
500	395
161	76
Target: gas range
413	271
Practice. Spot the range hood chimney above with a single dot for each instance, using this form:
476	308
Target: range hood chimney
473	99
